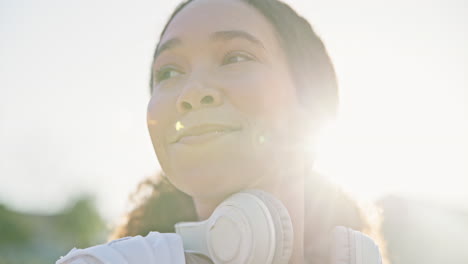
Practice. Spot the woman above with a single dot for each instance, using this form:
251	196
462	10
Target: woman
239	89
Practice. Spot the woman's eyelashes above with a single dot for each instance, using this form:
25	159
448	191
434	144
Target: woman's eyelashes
166	72
236	57
170	71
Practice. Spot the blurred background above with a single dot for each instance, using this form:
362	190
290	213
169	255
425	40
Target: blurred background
73	141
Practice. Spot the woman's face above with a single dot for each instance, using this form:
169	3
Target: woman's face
223	108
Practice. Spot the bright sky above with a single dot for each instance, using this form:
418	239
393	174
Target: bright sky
74	89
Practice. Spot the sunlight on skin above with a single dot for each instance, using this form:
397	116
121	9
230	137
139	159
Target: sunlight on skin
179	125
261	139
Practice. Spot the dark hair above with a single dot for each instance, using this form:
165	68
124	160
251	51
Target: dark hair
308	60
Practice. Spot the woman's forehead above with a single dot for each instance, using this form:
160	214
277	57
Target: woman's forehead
201	18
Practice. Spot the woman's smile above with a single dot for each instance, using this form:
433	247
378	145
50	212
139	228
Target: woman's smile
203	133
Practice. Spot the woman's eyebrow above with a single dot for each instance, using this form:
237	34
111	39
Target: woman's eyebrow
167	45
219	35
231	34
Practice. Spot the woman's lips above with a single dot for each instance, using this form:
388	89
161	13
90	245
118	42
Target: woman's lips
203	137
203	133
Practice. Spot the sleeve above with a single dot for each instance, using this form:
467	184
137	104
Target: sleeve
155	248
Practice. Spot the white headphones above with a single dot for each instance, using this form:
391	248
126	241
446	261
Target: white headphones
250	227
253	227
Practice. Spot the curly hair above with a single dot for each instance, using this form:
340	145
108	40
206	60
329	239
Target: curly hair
326	206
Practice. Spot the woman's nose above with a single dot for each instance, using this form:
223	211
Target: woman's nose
196	96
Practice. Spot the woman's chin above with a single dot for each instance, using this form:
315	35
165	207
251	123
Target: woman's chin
216	165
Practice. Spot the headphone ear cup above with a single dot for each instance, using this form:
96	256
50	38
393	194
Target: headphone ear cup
282	225
353	247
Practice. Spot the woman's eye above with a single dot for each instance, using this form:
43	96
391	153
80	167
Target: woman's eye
166	73
235	58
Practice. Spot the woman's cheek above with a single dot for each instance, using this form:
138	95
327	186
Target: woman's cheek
161	114
255	91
